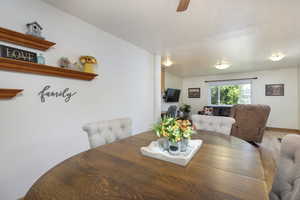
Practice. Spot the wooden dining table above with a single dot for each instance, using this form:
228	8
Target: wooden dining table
224	168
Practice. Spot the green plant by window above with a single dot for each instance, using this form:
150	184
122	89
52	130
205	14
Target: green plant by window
185	108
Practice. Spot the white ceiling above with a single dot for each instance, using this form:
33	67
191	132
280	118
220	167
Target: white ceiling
243	32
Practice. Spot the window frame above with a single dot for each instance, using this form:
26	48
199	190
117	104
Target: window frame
224	83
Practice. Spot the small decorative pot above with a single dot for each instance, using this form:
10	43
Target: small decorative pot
174	148
184	144
186	115
163	144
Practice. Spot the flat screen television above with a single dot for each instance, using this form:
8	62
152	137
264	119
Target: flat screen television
172	95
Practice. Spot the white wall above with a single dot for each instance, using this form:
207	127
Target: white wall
157	88
175	82
34	136
172	81
284	110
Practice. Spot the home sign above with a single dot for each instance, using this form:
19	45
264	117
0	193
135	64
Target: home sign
47	92
17	54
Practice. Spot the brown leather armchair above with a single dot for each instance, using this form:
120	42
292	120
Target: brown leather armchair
251	121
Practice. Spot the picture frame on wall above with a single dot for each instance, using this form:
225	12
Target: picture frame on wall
194	92
275	90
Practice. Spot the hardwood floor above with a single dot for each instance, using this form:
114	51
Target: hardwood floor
270	152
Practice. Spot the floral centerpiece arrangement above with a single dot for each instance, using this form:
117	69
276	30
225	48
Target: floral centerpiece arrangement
175	132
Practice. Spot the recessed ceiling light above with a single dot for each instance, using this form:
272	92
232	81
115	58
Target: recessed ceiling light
222	65
277	57
167	62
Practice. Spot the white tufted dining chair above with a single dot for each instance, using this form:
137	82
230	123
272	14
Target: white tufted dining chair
286	184
213	123
108	131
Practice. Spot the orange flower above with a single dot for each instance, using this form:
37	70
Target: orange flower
165	134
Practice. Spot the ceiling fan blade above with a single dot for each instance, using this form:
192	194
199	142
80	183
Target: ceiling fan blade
183	5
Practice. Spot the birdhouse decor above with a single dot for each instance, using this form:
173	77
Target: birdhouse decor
88	63
34	29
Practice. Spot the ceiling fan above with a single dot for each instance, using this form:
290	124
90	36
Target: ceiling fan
183	5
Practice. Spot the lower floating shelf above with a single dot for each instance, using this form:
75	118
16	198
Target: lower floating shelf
27	67
9	93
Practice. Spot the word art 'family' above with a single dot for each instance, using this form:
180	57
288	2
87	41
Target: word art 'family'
66	94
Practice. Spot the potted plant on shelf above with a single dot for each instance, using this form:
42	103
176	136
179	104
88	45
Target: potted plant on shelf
174	134
185	109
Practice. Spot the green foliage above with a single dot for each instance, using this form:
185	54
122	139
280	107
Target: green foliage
185	108
229	94
173	129
214	95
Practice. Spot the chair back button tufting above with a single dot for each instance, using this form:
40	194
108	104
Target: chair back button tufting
213	123
286	184
104	132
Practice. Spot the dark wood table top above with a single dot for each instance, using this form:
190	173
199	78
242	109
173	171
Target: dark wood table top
225	168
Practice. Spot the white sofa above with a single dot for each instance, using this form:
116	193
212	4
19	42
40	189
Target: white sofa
108	131
213	123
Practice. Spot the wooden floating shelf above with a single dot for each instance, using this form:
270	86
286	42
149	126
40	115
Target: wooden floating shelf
28	67
9	93
24	40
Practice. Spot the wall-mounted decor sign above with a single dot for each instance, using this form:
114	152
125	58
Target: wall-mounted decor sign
194	92
17	54
275	90
66	94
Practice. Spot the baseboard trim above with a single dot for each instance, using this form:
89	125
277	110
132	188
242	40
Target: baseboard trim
288	130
